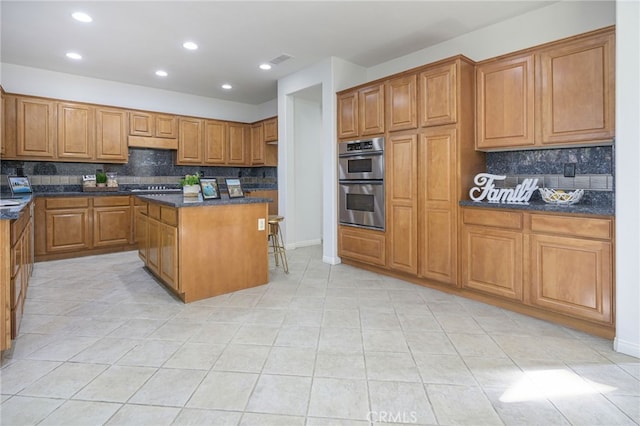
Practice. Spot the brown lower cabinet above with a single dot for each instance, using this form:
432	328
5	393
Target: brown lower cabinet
16	247
68	227
553	266
560	264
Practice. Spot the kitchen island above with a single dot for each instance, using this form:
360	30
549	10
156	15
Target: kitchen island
203	248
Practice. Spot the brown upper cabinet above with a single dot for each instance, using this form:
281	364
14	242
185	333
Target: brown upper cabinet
153	125
361	112
438	94
271	130
237	144
35	128
76	131
257	144
111	135
49	130
190	141
264	147
558	94
215	142
401	103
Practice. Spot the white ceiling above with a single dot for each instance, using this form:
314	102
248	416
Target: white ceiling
128	41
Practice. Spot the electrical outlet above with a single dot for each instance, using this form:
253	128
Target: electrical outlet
569	169
261	224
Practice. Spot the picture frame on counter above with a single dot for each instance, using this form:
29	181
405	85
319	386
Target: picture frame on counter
234	188
19	185
210	189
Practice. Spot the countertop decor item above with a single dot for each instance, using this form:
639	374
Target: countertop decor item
560	197
190	185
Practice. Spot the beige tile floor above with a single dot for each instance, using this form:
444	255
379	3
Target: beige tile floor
103	343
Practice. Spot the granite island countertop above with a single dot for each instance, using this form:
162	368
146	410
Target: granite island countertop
589	209
178	200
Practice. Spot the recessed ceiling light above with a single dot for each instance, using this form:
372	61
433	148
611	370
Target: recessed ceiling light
161	73
82	17
265	67
227	86
189	45
74	55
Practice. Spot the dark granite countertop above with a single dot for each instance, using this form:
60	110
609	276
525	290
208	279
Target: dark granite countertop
178	200
13	211
599	210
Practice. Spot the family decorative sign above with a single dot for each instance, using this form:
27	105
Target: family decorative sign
486	189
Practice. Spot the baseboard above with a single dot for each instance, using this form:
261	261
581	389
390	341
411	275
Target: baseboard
331	260
298	244
627	348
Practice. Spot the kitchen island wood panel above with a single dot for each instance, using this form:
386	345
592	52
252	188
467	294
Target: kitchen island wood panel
205	250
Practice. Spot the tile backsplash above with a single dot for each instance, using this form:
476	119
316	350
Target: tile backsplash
594	170
145	167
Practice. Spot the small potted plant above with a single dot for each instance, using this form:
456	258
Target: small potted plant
190	185
101	179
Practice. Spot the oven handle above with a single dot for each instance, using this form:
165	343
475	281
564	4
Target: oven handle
361	154
360	182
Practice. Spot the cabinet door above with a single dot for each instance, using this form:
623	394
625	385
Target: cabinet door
190	141
166	126
237	144
111	226
153	245
437	237
364	245
577	91
492	261
348	115
401	103
141	123
505	103
215	142
257	144
438	95
36	128
111	135
572	276
371	110
67	230
402	205
169	255
76	131
271	130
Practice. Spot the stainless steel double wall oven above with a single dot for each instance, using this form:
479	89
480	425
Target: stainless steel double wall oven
361	183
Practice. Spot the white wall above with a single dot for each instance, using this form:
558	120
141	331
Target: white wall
39	82
327	73
628	178
559	20
307	145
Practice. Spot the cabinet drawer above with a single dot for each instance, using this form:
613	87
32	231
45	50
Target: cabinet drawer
111	201
154	211
361	244
497	219
574	226
66	203
169	216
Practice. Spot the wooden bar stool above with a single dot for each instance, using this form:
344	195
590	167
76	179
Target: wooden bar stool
276	242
